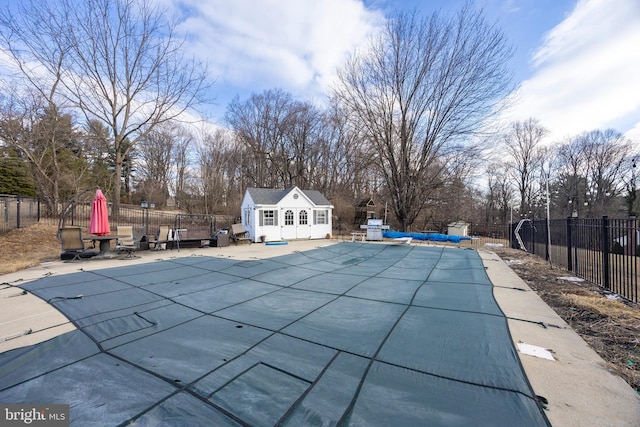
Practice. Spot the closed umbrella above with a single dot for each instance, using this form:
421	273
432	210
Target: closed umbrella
99	224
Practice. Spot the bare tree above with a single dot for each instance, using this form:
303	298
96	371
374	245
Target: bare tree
216	153
303	137
281	137
630	185
592	168
119	62
523	147
417	90
570	186
339	165
499	197
155	162
259	124
607	152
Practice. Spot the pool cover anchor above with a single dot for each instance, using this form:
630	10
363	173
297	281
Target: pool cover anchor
538	322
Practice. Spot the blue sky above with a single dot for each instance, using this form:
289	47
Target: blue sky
576	61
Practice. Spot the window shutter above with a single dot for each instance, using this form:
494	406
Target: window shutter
275	217
315	217
261	216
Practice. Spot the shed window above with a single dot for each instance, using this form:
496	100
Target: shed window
268	217
320	217
288	217
303	220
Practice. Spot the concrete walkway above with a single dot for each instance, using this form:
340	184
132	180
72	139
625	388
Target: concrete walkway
578	386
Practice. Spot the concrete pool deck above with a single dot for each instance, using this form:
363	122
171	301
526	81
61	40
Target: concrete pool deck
579	388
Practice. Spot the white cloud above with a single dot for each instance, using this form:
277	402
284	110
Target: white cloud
634	134
295	45
586	71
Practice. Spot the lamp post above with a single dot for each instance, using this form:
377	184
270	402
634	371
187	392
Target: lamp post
146	206
548	218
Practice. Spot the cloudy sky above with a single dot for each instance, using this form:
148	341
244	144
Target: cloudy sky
576	61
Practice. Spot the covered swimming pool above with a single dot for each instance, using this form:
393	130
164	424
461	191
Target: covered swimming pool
351	334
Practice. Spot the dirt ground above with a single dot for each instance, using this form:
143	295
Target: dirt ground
611	327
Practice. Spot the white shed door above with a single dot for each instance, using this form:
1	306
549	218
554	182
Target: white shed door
303	217
296	224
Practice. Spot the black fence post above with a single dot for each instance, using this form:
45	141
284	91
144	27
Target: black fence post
569	244
18	211
546	239
605	252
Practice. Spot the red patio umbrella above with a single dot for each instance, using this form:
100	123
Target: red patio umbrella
99	224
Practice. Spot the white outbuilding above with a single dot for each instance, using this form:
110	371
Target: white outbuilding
289	214
458	228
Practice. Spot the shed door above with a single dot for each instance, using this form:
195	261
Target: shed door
304	223
288	228
295	224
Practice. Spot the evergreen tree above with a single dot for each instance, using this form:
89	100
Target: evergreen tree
15	176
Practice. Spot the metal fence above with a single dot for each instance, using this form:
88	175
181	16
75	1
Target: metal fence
18	212
145	221
203	222
603	251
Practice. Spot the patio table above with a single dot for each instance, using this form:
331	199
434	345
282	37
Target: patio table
105	245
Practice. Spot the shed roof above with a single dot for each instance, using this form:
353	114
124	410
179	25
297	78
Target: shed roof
366	202
271	196
458	224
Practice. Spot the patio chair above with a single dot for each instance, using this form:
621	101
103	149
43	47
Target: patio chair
128	243
239	234
73	247
162	238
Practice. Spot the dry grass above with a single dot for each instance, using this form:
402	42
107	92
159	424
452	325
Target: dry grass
27	247
604	307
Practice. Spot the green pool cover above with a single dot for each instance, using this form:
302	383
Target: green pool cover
349	334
